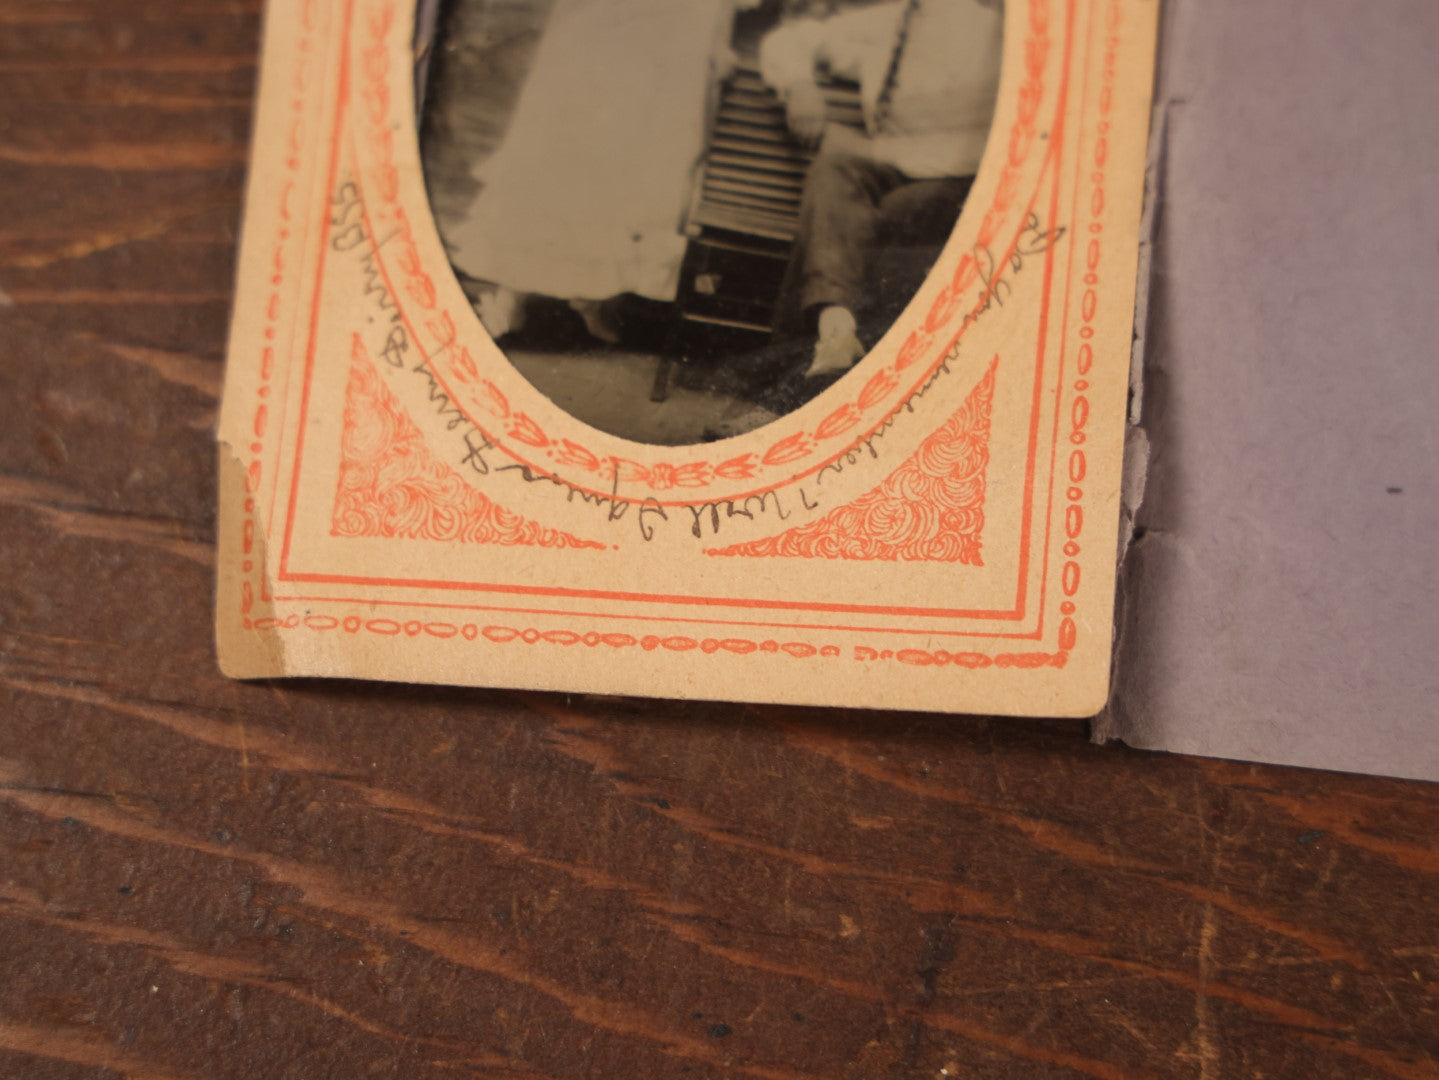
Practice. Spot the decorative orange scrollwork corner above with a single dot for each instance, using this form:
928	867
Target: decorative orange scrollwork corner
929	509
392	486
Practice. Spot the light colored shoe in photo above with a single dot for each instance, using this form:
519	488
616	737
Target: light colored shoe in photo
501	310
600	321
838	347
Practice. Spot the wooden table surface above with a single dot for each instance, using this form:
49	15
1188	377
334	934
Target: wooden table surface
200	878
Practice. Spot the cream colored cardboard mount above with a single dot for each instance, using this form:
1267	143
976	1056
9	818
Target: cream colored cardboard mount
935	530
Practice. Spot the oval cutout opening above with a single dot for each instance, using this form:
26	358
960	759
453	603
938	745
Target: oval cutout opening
683	219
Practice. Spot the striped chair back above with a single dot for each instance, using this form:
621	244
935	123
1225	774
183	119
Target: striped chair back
753	171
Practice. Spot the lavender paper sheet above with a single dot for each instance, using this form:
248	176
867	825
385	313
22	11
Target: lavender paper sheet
1281	600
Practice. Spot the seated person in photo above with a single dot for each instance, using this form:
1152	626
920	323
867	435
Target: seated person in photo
928	73
585	197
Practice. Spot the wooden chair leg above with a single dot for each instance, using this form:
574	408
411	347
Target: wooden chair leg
660	391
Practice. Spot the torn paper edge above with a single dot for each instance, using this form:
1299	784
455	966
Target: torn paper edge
1107	725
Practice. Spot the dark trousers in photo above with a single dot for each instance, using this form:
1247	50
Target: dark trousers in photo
867	236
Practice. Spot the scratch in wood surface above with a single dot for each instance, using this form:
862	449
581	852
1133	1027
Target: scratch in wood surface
1406	951
1133	1030
127	157
164	220
118	297
481	1066
438	822
29	905
212	966
244	760
571	740
1304	1023
980	989
1403	1017
928	893
691	933
60	663
199	63
414	813
1204	1034
153	101
65	512
1253	963
993	759
280	699
48	789
1331	819
91	245
975	1032
78	1047
68	14
1067	842
1096	951
868	992
1205	1048
1340	824
57	639
423	816
323	889
1385	1062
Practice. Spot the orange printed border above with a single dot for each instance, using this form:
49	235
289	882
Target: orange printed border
499	634
797	448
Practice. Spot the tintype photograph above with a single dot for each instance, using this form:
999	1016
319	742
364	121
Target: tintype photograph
682	219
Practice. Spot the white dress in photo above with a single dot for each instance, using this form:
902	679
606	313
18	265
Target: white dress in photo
586	195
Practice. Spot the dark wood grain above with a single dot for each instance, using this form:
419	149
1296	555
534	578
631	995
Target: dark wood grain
200	878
